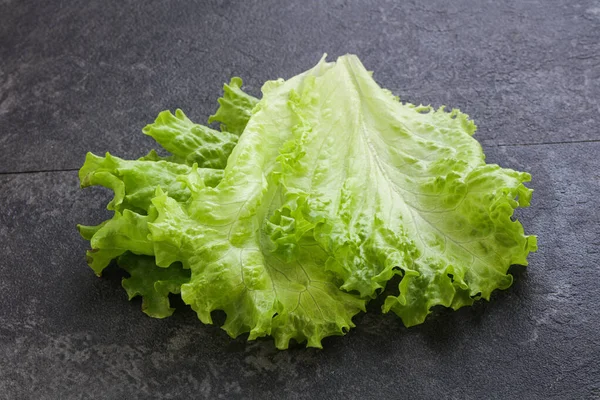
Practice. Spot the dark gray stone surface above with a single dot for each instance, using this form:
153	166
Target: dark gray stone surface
88	75
78	76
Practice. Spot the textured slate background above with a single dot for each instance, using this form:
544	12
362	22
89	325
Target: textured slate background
88	75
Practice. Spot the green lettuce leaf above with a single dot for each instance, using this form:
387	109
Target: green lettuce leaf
333	188
152	283
134	183
393	188
235	108
189	142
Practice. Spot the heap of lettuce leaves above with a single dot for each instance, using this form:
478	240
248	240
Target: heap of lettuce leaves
305	204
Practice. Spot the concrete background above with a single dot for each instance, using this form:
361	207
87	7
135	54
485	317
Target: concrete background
88	75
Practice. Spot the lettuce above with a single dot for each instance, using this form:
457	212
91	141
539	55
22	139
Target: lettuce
306	204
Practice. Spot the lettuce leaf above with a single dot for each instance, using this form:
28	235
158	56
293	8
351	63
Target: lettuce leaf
334	187
152	283
235	108
189	142
134	183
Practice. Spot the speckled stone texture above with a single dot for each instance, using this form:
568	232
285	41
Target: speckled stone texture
88	75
